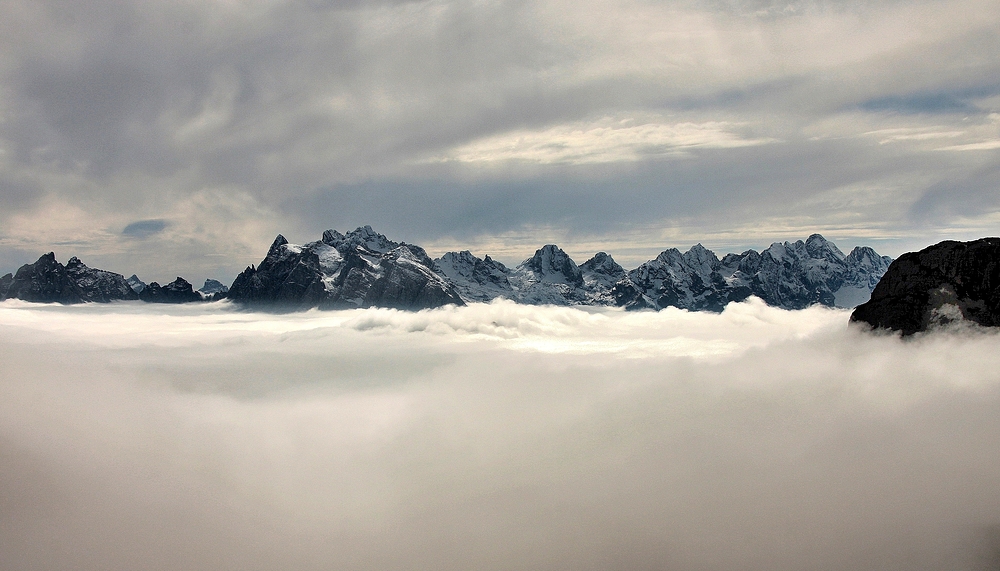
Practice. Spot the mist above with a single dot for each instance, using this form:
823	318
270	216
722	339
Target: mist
138	436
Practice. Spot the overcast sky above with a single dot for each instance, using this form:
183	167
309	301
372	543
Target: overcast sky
168	137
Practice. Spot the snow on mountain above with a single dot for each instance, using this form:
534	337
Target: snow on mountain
792	275
359	269
365	269
476	279
549	277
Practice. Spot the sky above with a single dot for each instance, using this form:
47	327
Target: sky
497	436
178	137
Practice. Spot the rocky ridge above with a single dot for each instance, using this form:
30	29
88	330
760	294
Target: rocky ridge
791	275
939	285
365	269
48	281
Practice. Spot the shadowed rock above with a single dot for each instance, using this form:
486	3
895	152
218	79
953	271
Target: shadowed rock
177	291
943	283
48	281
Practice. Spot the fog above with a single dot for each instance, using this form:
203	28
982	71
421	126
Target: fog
492	437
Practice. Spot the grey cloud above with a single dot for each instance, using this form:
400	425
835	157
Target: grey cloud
954	101
323	111
144	228
969	194
743	185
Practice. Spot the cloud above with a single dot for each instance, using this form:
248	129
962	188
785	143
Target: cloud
494	437
144	228
604	141
126	111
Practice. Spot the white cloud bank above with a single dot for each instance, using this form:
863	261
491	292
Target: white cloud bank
491	437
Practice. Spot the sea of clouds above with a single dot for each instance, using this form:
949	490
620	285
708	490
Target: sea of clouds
199	437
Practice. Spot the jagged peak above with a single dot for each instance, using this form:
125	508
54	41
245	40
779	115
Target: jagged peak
600	258
370	239
551	260
549	252
818	247
602	261
700	252
331	237
669	256
465	259
279	241
179	282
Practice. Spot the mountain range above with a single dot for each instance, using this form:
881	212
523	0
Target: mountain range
365	269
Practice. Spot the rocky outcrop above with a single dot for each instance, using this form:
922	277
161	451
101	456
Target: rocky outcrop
360	269
177	291
946	282
48	281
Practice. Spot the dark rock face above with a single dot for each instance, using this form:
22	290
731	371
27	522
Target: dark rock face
98	285
45	281
945	282
177	291
48	281
359	269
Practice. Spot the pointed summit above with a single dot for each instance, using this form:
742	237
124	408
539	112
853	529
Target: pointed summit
551	264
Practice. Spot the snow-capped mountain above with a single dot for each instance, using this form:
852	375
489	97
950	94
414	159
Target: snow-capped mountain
365	269
475	279
360	269
549	277
792	275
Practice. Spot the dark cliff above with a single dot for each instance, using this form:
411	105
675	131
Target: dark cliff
943	283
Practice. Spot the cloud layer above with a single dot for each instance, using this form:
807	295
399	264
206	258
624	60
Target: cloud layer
492	437
439	122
